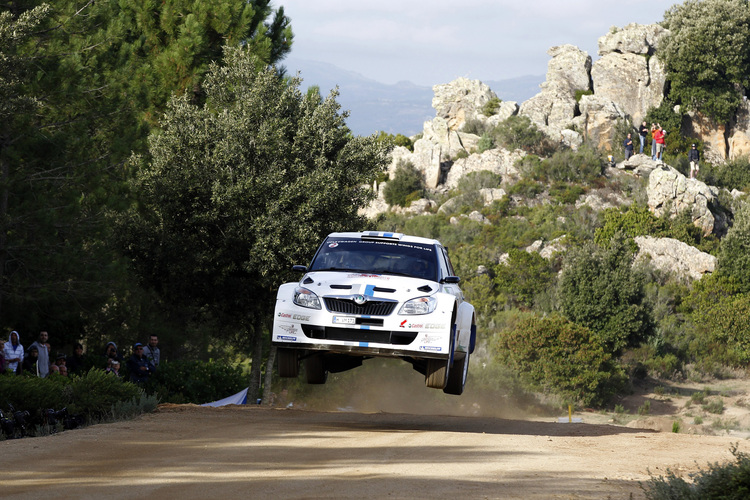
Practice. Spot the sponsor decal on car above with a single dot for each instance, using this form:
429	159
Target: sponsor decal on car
374	276
289	328
284	315
430	348
434	326
287	339
430	339
300	317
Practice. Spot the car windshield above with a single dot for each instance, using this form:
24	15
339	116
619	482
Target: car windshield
377	257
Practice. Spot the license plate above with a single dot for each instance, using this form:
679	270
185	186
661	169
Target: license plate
344	320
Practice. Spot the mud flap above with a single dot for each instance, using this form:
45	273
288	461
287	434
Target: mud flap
473	339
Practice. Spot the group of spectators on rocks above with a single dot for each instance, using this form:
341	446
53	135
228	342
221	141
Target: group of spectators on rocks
37	359
657	146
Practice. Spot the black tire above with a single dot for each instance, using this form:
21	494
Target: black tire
315	369
457	376
288	363
437	373
438	370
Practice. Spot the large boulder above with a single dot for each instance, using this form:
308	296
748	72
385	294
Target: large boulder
675	256
641	164
739	139
554	108
499	161
711	133
598	120
634	82
460	101
671	192
633	38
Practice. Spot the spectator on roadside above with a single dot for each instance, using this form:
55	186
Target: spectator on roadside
13	351
151	351
53	370
30	365
628	147
113	367
110	352
642	133
2	360
76	363
61	359
139	367
694	158
63	370
653	141
45	352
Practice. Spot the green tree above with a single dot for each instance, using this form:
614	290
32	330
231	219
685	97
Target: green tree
236	191
707	55
562	357
526	275
406	186
734	250
599	289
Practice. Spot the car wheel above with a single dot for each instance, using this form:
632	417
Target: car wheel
315	369
438	370
288	363
457	376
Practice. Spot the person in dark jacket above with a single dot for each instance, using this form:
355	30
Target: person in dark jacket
628	143
642	133
139	366
694	158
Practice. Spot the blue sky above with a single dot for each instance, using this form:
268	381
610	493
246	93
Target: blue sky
428	42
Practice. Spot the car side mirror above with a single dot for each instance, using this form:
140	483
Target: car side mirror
451	279
301	269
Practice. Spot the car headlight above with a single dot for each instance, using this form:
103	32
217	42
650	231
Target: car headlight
421	305
305	298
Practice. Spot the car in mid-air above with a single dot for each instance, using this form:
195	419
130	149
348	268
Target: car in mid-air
376	294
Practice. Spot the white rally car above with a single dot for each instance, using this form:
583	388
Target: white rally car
376	294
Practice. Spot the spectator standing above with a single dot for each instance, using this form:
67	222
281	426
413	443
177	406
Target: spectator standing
113	368
13	351
653	141
694	158
61	359
628	147
44	350
151	351
63	370
642	133
110	352
76	363
659	139
30	365
139	367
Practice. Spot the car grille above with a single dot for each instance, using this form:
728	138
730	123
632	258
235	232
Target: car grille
370	308
357	335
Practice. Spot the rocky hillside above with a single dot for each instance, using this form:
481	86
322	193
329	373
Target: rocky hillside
579	101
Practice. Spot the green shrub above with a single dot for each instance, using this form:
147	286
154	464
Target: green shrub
196	381
518	132
562	357
475	126
599	289
580	93
490	107
566	194
527	188
734	250
485	143
396	140
734	174
526	275
474	181
728	481
583	166
406	181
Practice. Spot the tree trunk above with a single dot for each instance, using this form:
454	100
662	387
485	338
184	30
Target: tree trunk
268	382
257	360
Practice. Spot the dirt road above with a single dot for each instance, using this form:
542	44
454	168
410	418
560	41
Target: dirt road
191	452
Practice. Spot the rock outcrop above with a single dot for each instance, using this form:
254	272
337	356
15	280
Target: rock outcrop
498	161
461	100
675	256
671	192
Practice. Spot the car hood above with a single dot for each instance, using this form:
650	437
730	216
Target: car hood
386	286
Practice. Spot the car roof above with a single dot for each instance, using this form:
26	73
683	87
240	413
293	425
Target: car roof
386	236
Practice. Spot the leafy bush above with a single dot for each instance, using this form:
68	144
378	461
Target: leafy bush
518	132
475	181
601	290
526	275
92	395
562	357
485	142
729	481
527	188
196	381
490	107
580	93
734	174
396	140
734	251
406	181
475	126
565	193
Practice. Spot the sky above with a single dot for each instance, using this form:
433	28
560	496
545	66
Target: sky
428	42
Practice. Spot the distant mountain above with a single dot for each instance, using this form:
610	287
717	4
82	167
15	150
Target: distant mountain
399	108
